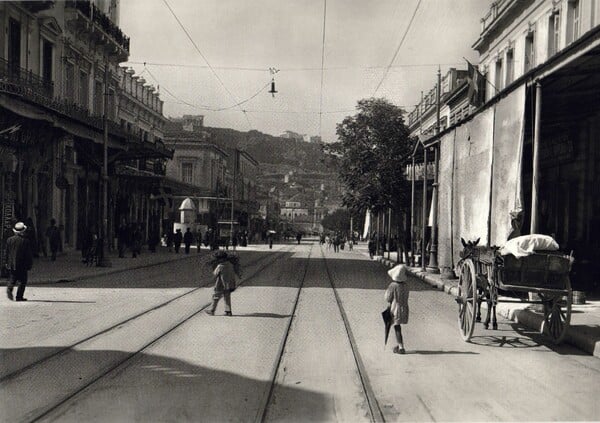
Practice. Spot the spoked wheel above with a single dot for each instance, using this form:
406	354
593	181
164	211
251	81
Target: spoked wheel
467	299
557	314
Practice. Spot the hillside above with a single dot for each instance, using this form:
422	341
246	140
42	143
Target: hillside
275	154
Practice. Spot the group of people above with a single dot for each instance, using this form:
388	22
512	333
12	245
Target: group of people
131	236
338	241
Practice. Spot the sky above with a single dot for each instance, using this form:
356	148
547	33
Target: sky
232	44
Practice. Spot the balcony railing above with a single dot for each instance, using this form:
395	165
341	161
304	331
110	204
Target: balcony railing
25	84
26	81
91	12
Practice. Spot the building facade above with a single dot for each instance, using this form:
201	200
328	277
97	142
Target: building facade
59	91
531	148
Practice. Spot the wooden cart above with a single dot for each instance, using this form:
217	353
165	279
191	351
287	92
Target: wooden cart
484	272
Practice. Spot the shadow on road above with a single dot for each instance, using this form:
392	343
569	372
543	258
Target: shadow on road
504	341
271	315
154	388
436	352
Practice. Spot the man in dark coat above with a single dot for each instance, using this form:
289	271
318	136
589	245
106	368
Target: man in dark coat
188	238
53	235
177	240
122	238
19	259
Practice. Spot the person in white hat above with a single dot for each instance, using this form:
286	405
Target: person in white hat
397	295
19	260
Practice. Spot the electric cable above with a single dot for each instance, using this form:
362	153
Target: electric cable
397	48
207	62
305	69
322	65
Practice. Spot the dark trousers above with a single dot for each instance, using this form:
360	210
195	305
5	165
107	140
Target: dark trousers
121	246
177	246
187	248
17	278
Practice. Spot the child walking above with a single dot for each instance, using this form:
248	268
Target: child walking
226	271
397	295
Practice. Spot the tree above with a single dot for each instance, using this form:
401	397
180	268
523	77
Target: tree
371	154
338	221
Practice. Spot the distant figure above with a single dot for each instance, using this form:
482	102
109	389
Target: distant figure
122	238
177	239
53	235
188	238
136	241
19	260
372	247
234	241
298	237
198	241
169	239
270	240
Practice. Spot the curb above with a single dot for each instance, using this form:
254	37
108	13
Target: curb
531	320
108	272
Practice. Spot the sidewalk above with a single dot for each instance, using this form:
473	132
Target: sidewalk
584	330
69	266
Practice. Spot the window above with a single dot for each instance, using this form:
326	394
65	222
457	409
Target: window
84	89
498	80
573	21
14	43
530	51
98	94
187	172
70	82
510	66
47	53
554	33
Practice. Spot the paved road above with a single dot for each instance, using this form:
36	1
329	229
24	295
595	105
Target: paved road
221	368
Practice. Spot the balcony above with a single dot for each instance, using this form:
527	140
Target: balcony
19	81
87	17
22	83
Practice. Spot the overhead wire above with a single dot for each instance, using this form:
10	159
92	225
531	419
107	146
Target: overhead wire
203	107
305	69
322	65
398	48
207	62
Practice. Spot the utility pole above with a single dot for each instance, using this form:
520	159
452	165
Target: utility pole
235	160
433	264
103	261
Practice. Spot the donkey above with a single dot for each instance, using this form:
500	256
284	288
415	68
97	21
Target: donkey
485	289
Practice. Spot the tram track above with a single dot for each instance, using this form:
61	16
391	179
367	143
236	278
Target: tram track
375	412
60	359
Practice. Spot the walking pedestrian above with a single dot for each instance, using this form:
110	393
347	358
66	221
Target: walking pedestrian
372	248
136	240
177	238
53	235
234	241
198	241
19	260
397	295
122	238
188	238
226	274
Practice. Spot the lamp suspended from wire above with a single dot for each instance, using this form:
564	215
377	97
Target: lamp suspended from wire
273	71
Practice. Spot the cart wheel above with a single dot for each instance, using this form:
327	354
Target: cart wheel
467	299
557	315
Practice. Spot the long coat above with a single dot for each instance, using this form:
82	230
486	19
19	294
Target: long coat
19	257
397	295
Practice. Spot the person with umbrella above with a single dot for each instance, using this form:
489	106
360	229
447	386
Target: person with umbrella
397	295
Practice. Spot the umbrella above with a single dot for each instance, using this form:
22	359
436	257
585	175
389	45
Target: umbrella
387	320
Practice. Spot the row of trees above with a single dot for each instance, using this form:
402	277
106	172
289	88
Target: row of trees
371	154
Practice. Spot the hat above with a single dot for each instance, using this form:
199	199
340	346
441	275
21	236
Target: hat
220	254
398	273
19	228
